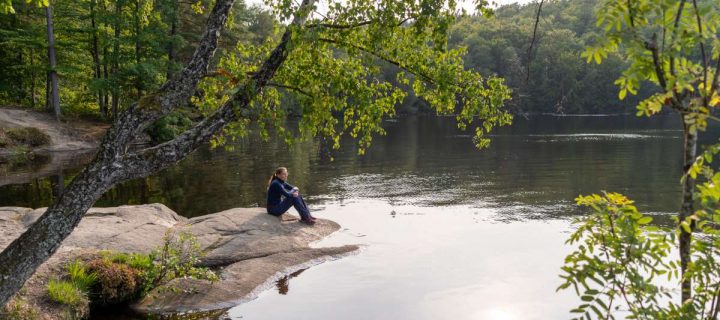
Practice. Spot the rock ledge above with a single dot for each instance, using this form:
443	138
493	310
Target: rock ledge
251	248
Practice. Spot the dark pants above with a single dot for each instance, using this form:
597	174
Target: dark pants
283	206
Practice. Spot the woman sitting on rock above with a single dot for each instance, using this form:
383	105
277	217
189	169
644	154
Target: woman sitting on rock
279	188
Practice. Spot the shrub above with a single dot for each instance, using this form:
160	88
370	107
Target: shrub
179	255
143	264
114	278
116	282
28	136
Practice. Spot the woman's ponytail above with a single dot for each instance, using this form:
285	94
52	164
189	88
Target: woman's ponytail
272	178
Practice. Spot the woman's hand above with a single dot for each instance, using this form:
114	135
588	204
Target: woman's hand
295	193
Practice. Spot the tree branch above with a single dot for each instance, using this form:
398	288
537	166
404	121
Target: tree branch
702	52
681	6
352	26
381	57
659	72
339	26
144	162
532	42
173	93
293	88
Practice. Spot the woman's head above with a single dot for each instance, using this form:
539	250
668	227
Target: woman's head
280	173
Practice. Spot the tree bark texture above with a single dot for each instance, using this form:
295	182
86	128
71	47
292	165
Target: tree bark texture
54	95
114	164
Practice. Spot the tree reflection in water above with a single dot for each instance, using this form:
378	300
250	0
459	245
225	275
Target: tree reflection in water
283	285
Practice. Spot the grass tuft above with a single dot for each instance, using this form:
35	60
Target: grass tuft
66	293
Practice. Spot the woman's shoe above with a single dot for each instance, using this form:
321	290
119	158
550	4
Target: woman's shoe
307	221
313	218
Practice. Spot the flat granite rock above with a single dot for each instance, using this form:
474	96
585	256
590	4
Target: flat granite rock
240	282
252	248
245	233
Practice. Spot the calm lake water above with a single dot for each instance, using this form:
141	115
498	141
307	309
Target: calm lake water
448	231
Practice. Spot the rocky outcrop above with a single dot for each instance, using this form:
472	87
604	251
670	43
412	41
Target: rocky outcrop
73	136
72	144
251	249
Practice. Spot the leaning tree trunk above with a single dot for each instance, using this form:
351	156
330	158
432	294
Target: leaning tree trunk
686	209
114	164
53	96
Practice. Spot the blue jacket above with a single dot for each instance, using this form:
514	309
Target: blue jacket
277	189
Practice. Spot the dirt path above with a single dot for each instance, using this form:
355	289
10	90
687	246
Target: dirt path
72	135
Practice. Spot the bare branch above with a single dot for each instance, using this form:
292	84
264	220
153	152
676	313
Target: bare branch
532	42
681	6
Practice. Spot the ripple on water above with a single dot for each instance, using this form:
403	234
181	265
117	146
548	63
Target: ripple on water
595	137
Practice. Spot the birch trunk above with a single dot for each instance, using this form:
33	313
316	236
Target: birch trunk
687	207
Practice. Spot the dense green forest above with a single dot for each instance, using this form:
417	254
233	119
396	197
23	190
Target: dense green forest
109	52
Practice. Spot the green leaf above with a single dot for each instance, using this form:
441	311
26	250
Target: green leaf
644	220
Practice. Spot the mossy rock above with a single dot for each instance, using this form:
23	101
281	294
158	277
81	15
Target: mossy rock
26	136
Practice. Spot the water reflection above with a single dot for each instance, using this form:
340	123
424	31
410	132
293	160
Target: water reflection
283	285
537	166
449	232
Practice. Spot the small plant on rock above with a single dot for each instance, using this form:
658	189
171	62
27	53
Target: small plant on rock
80	276
19	309
179	255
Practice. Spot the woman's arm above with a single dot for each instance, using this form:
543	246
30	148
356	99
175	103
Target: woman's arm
279	187
290	188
